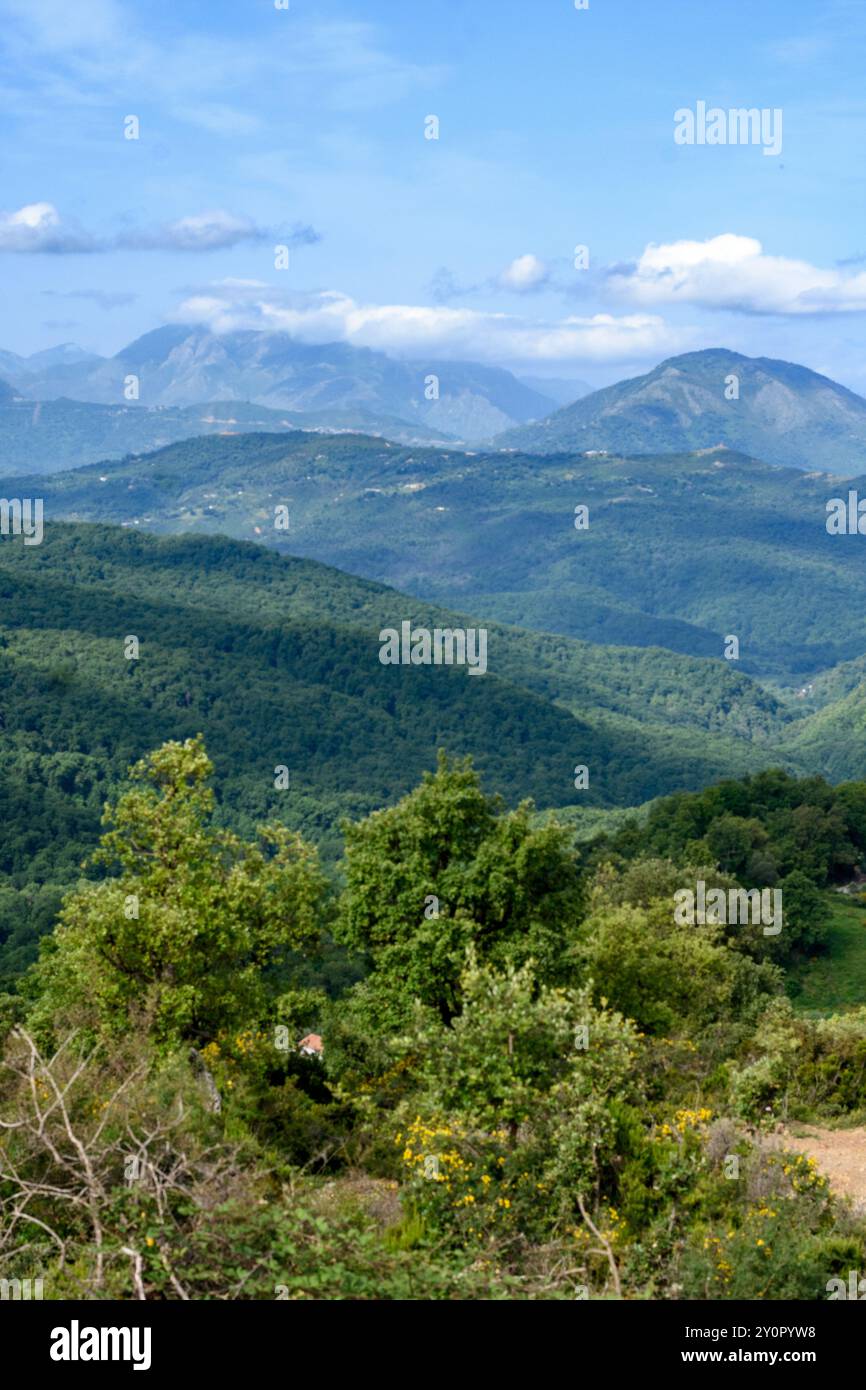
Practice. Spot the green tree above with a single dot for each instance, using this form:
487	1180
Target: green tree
509	1046
666	975
851	801
732	840
190	918
805	913
444	869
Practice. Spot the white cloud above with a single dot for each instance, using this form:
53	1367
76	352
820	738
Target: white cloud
800	51
525	273
733	272
437	331
208	231
219	119
38	227
106	299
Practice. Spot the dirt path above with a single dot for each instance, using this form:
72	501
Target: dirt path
839	1153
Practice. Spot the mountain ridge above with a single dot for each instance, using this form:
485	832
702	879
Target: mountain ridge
182	365
782	412
777	411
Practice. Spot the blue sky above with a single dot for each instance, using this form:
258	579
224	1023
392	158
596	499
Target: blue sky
305	127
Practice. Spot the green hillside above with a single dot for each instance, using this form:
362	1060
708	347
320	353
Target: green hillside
835	980
835	736
219	617
275	660
680	550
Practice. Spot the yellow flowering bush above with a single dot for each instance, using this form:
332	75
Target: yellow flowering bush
780	1245
685	1121
456	1180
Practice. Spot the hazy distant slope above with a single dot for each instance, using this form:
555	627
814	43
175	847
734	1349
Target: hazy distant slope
560	389
784	414
49	436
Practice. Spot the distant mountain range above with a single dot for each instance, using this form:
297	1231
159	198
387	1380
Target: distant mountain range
681	550
192	382
38	363
183	366
776	411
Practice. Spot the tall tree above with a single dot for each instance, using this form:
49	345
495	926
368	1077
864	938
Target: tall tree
447	868
189	917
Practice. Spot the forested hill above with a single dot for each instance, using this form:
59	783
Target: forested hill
276	660
679	551
281	655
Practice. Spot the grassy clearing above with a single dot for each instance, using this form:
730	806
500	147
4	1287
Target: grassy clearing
837	979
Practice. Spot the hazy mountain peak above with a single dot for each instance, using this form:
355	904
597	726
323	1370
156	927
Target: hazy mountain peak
63	354
778	411
184	364
158	343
